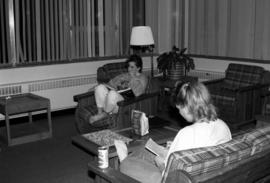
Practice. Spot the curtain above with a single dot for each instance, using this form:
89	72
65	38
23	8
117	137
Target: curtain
230	28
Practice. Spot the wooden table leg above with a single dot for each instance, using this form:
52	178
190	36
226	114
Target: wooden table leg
8	129
49	120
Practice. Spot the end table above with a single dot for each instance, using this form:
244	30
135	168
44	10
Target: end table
25	103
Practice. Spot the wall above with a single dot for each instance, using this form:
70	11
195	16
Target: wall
220	65
58	82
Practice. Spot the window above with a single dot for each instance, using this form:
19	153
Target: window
230	28
42	31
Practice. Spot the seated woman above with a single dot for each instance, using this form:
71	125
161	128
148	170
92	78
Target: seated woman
106	95
195	105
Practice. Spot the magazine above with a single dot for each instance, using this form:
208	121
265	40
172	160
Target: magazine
153	147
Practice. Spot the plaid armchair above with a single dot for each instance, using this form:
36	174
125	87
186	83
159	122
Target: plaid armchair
86	106
237	96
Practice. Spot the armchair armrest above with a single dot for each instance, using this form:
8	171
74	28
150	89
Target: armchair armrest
137	99
109	174
249	88
214	81
78	97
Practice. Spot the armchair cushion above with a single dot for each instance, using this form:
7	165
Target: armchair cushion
259	139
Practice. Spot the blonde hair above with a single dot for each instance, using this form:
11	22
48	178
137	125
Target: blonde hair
196	97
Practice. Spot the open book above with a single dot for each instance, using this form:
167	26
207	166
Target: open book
153	147
126	93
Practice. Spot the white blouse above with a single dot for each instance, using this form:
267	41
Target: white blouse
200	134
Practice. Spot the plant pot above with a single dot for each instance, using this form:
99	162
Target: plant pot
176	72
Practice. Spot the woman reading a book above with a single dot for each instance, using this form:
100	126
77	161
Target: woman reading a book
107	95
195	105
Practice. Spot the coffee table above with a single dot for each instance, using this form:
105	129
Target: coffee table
160	135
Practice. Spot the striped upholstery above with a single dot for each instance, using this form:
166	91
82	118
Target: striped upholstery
260	139
203	160
239	75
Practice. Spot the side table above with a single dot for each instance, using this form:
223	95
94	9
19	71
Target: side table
25	103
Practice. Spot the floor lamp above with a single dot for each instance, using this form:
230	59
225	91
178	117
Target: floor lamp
142	37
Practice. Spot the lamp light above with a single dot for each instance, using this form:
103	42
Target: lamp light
142	36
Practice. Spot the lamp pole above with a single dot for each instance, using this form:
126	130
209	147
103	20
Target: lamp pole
151	49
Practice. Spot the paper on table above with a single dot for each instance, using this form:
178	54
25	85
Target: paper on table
155	148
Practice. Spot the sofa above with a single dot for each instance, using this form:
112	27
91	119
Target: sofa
86	106
246	158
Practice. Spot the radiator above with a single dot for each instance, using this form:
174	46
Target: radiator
10	90
60	91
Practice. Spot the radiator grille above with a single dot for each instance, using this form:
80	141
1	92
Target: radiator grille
61	83
10	90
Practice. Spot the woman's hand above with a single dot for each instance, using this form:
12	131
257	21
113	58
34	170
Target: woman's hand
160	162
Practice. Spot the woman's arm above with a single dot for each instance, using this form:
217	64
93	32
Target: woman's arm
138	85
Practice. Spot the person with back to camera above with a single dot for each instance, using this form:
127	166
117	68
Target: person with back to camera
106	95
194	103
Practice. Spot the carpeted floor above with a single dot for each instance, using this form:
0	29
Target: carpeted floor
53	160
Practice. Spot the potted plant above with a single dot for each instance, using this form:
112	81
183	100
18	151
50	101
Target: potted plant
175	63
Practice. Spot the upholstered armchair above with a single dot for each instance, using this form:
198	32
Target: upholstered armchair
86	106
237	96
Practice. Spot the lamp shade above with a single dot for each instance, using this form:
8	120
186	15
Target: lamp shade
141	36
